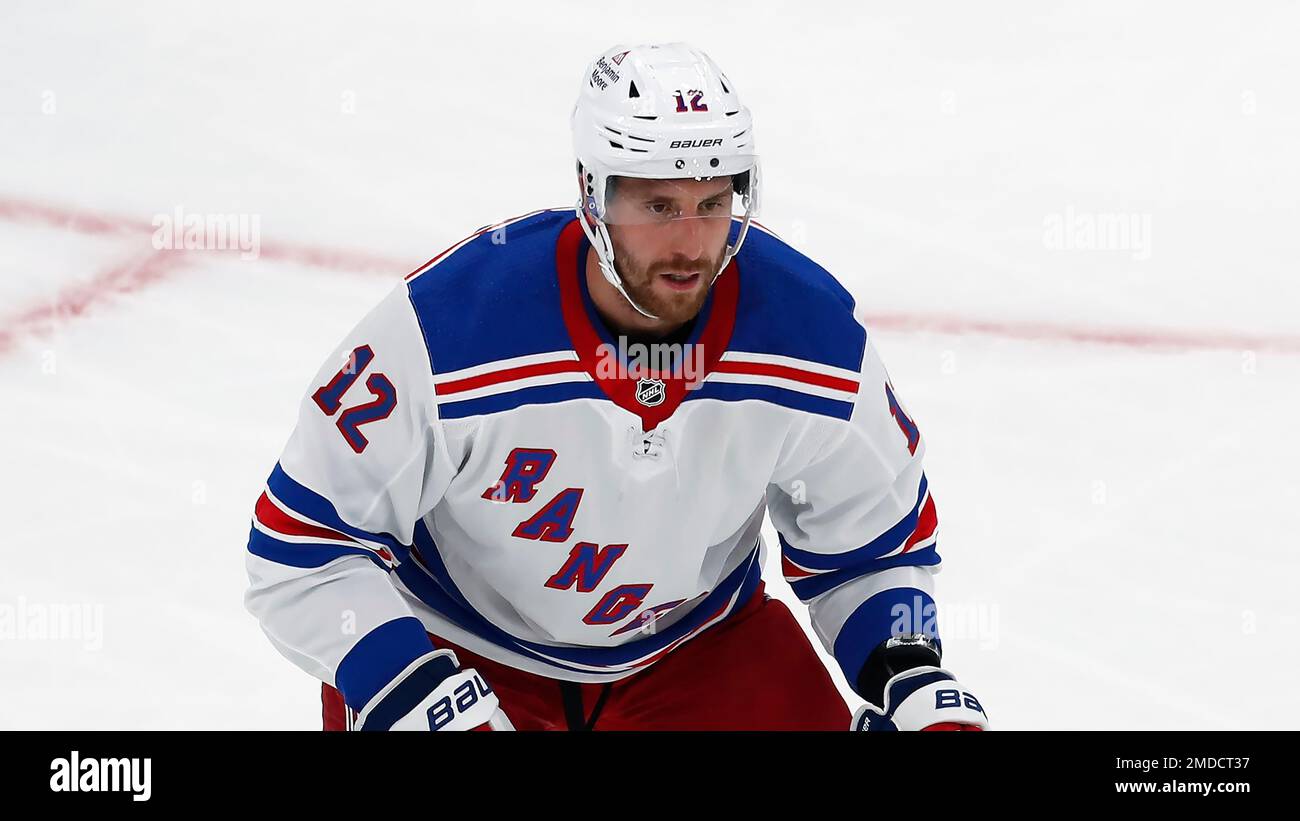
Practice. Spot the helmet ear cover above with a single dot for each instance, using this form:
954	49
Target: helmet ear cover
740	182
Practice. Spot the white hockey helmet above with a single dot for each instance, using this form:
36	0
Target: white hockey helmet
659	112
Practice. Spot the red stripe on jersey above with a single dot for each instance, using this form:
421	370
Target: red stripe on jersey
787	372
279	521
792	571
507	375
925	526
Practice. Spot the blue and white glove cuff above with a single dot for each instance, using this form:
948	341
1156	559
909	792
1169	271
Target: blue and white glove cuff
408	690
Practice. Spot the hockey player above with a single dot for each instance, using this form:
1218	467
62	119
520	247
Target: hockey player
500	509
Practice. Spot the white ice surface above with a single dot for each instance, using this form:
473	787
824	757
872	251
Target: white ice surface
1118	523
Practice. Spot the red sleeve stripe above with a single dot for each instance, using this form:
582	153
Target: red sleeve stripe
271	517
922	535
787	372
279	521
925	526
793	572
507	375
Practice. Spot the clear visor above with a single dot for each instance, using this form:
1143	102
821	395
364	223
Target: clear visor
707	202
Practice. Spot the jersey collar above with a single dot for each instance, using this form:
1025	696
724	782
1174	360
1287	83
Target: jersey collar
588	334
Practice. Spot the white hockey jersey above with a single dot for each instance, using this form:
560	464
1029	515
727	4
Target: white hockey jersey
467	465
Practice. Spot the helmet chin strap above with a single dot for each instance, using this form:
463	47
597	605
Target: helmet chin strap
604	246
630	301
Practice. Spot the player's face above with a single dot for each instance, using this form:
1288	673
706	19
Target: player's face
669	238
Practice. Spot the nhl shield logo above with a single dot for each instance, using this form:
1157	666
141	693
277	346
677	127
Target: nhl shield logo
650	392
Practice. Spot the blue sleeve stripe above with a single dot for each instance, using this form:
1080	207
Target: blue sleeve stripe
314	506
379	657
812	586
886	614
736	392
879	546
304	555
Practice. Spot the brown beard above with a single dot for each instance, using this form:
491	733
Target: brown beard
638	281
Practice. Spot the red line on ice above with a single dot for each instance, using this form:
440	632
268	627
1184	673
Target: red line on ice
142	269
1154	338
141	272
74	300
80	221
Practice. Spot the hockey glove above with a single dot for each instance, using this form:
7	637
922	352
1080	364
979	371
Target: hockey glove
433	693
923	698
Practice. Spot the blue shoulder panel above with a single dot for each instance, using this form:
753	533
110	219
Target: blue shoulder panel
791	306
495	297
